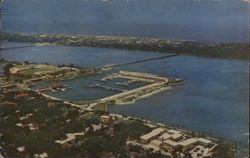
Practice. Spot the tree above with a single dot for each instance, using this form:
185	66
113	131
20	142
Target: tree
95	145
7	70
26	62
2	60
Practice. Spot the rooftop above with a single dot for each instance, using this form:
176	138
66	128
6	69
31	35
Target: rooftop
206	141
21	148
165	136
43	155
156	142
171	143
70	137
153	133
188	141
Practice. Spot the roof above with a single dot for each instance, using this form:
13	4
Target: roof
205	152
21	148
176	135
105	117
70	137
74	134
156	142
153	133
188	142
65	140
19	125
96	127
171	143
172	131
43	155
165	136
20	95
9	103
194	140
206	141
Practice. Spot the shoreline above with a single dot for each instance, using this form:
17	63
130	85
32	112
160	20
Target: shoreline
205	49
157	123
118	102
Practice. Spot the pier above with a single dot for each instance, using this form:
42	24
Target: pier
156	84
96	85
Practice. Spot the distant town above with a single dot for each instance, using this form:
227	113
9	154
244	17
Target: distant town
215	49
37	124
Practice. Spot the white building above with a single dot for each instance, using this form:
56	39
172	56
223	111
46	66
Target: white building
152	135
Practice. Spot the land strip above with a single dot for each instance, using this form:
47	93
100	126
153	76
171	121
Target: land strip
206	49
7	48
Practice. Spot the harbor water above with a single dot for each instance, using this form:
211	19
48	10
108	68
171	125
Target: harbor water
213	99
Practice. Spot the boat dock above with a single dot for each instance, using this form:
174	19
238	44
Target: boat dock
97	85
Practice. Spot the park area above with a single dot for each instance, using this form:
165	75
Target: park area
34	69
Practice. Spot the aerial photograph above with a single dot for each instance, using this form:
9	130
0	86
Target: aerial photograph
124	78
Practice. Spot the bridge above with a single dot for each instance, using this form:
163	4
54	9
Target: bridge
138	61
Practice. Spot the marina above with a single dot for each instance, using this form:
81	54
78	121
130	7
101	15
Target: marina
97	85
220	87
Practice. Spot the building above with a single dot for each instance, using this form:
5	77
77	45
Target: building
19	125
97	127
22	95
205	142
175	135
107	119
21	148
152	135
170	145
200	151
164	136
171	134
156	142
43	155
189	143
185	145
70	140
9	103
193	142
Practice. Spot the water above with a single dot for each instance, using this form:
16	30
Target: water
78	92
213	99
204	20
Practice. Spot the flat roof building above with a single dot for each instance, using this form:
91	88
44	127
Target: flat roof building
165	136
156	142
71	137
152	135
170	145
21	148
192	142
43	155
